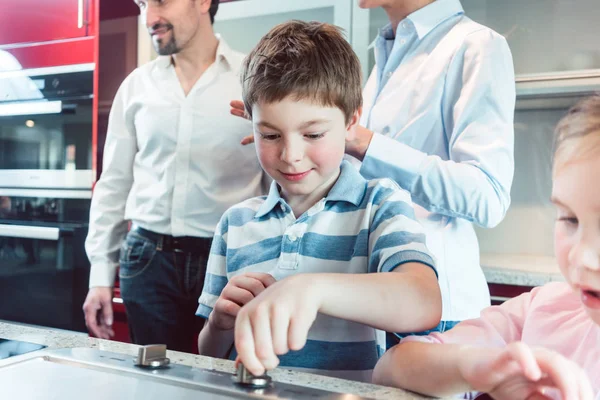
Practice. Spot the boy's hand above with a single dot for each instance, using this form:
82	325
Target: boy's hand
518	372
240	290
275	322
238	109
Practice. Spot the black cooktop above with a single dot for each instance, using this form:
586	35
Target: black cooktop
11	348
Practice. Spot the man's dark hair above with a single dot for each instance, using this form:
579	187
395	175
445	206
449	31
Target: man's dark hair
214	7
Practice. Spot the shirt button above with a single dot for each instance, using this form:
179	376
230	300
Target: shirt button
389	74
402	41
282	207
293	237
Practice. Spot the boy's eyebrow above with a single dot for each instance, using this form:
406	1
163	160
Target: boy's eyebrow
264	124
307	124
313	122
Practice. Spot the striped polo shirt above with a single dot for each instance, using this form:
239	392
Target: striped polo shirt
359	227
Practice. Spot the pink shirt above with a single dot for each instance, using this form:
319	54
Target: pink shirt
549	316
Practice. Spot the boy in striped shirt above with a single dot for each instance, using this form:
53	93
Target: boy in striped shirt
310	276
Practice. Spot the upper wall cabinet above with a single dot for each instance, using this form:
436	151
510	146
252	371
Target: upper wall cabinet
34	21
554	44
243	23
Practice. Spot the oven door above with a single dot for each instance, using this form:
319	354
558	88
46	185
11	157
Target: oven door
46	128
44	273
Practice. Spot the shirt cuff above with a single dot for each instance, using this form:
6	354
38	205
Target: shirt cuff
388	158
103	275
203	311
407	256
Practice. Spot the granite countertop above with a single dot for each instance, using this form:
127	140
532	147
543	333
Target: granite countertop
520	270
55	338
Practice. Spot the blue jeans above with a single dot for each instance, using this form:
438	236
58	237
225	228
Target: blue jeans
393	339
160	291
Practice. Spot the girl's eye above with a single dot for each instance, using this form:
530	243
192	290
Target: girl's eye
314	135
569	220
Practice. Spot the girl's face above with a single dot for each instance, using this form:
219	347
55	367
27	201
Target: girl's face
576	195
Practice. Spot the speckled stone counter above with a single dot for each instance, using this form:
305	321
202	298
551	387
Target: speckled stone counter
520	270
67	339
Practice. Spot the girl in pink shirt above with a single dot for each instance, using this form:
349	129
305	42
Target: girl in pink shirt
544	344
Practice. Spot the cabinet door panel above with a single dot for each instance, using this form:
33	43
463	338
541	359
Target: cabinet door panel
31	21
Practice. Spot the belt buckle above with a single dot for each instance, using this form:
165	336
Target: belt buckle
177	246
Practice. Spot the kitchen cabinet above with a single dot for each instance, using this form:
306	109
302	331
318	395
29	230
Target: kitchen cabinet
243	23
499	293
34	21
120	326
553	43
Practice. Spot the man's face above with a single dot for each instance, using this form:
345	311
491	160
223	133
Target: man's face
172	23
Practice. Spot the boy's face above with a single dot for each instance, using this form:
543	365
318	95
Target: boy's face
576	195
301	145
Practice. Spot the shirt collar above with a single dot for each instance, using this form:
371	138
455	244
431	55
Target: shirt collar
429	17
225	55
350	187
425	19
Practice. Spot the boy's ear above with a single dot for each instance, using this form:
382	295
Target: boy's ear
351	129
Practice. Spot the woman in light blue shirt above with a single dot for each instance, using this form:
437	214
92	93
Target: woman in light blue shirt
438	119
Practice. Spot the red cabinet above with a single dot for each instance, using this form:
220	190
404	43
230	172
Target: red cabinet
499	293
120	326
34	21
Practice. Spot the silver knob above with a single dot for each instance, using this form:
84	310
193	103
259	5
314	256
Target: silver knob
152	356
244	377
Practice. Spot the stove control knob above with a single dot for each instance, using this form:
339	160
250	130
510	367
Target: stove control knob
245	378
152	356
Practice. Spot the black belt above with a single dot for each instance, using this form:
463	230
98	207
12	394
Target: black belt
178	244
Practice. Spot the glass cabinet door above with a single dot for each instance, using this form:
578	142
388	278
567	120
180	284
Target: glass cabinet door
553	42
243	23
545	36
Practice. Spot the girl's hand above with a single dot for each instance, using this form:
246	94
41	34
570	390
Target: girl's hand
518	372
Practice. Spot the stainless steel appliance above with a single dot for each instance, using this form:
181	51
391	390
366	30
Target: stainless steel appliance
46	121
44	271
46	177
98	375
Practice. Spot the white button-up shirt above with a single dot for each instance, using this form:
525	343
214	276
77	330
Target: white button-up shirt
172	163
441	103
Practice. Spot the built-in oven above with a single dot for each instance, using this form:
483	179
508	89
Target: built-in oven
44	270
46	123
46	178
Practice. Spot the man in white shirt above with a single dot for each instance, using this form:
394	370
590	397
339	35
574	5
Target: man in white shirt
172	166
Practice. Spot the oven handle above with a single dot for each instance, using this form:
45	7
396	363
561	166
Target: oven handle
29	232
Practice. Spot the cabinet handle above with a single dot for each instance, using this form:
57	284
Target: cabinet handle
80	14
29	232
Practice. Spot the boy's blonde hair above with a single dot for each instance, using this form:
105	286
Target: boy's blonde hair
306	60
578	133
